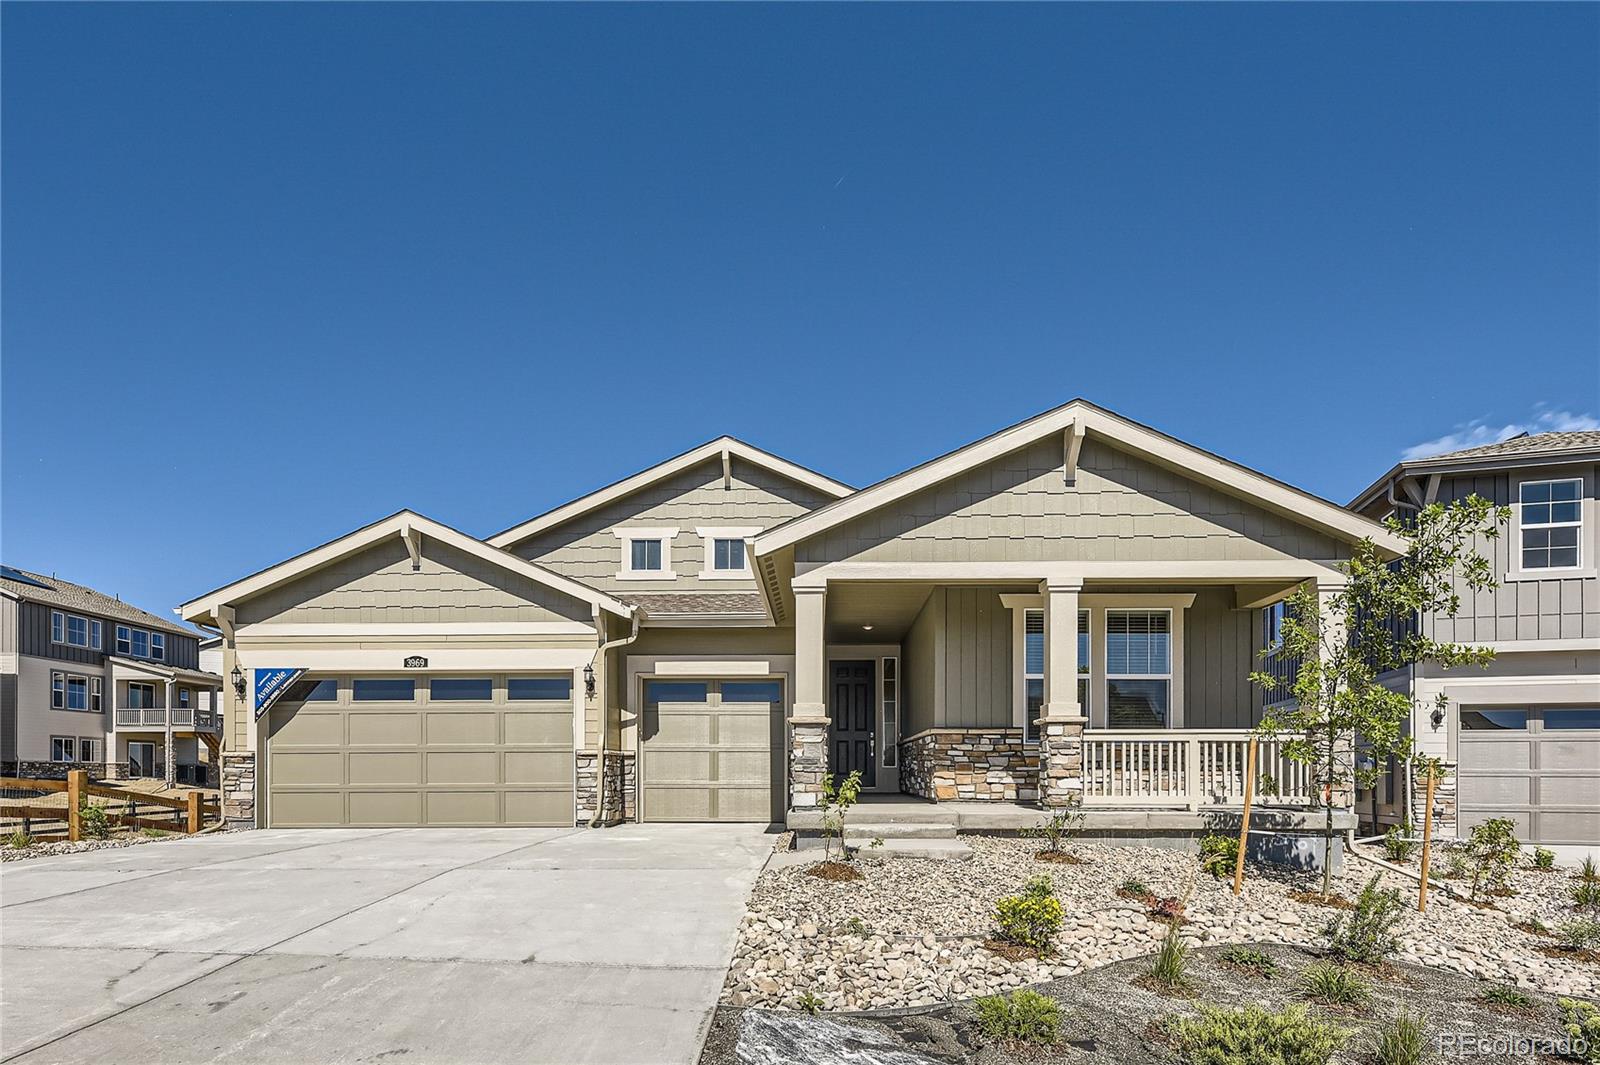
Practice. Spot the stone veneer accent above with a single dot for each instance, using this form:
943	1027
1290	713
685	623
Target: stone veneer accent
1445	823
620	777
1061	755
980	764
59	770
239	788
808	761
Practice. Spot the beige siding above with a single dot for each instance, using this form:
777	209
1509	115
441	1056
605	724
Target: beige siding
586	549
922	665
378	585
1019	508
1220	648
958	661
8	627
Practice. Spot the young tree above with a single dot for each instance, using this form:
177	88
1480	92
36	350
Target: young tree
1343	642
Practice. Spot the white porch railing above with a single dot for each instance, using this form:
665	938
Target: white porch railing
1188	769
182	717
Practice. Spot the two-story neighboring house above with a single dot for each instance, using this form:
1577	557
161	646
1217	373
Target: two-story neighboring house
1521	738
89	682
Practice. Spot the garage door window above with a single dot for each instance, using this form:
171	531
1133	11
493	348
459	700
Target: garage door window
760	691
473	689
1572	719
676	691
383	690
313	691
1487	720
539	688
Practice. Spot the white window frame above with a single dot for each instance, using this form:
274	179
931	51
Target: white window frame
142	686
88	749
58	627
158	646
58	690
1581	525
69	744
665	533
71	677
97	695
124	640
1168	676
96	634
891	705
85	623
709	535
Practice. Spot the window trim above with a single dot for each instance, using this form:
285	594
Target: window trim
665	533
142	686
158	646
1580	524
58	627
891	711
1587	541
124	635
97	695
58	689
709	535
87	748
96	635
1168	676
68	743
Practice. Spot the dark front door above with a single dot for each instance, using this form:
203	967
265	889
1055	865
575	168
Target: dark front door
852	703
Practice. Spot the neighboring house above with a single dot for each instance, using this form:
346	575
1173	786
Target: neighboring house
89	682
1520	738
1069	607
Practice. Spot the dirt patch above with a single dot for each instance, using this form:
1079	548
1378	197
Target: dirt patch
1010	951
1591	957
1059	857
1156	987
1317	898
835	871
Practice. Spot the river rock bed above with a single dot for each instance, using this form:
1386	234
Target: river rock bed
911	932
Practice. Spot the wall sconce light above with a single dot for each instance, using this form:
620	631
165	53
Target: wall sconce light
1437	717
588	681
238	682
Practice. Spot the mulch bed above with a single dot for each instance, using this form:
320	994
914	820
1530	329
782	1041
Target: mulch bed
1317	898
1059	857
1010	951
1583	955
835	871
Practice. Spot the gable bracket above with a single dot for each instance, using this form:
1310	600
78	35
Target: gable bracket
1071	445
1432	492
1412	491
727	470
413	540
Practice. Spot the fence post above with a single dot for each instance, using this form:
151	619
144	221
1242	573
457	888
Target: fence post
1427	845
76	779
193	824
1244	823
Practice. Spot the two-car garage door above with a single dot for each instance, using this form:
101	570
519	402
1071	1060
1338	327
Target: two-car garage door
406	751
1538	766
711	750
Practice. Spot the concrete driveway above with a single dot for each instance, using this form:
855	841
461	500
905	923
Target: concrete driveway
405	946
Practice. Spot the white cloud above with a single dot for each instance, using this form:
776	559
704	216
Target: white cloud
1479	432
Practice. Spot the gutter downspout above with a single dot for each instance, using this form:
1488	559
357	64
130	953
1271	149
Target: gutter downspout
634	615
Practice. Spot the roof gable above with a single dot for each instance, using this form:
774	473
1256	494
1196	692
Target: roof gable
725	447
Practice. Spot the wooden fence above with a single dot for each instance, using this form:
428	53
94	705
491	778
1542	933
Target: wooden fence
187	814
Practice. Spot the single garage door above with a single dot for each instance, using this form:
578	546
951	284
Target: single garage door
1539	766
711	750
407	751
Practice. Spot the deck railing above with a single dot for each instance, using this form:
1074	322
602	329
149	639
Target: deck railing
1188	769
185	717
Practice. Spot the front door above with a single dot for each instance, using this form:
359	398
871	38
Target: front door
142	760
852	705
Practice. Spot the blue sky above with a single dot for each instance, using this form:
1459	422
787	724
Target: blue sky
271	272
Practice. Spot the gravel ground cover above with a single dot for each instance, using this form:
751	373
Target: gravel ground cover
9	853
911	932
1108	1018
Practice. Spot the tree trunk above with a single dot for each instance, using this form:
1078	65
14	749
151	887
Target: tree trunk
1327	831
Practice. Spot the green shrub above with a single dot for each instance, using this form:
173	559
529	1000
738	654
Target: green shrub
1500	995
1455	863
1171	967
809	1003
154	833
1491	854
1252	1036
1580	1023
1135	888
19	839
1397	844
1586	895
858	927
1332	984
92	820
1580	934
1061	827
1219	854
1402	1041
1544	858
1031	919
1022	1015
1366	933
1588	870
1252	960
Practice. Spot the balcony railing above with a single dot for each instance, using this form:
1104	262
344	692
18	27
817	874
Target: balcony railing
184	717
1187	769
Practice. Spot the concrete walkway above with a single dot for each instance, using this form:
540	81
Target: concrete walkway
411	946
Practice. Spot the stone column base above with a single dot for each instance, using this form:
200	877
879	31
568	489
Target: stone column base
808	761
1445	823
1061	760
239	788
619	787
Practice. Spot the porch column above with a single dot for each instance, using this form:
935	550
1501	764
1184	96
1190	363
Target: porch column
808	721
1335	633
169	772
1061	726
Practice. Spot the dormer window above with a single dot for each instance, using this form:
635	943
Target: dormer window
727	558
646	554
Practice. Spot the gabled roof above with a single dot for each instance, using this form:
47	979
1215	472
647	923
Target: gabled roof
52	591
722	445
1536	449
405	523
1127	435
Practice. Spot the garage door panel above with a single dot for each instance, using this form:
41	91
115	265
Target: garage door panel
1521	819
463	767
680	727
539	726
706	751
537	767
1486	789
308	767
1581	754
466	727
744	728
1569	826
681	767
384	728
384	807
744	804
538	807
307	809
462	808
385	767
303	727
678	804
1580	791
744	767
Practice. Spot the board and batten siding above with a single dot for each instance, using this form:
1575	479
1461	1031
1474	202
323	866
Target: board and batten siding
1220	649
586	549
1018	508
33	638
378	585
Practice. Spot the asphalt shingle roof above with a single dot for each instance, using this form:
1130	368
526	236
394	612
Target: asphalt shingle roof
697	602
1529	444
53	591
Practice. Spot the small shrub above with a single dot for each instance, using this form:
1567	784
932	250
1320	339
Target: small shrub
1491	854
19	839
1031	919
1061	827
1023	1015
809	1003
92	820
835	805
1455	863
1332	984
1252	1036
1544	858
1366	934
1219	854
154	833
1134	889
1171	967
1589	871
1402	1041
1580	1023
1169	909
1586	895
857	926
1499	995
1398	846
1251	960
1580	934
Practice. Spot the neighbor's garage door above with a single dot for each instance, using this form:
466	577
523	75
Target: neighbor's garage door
1538	766
711	750
404	751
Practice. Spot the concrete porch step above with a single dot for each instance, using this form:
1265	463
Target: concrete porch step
938	849
867	831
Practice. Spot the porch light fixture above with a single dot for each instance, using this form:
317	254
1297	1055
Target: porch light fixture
588	681
866	628
238	682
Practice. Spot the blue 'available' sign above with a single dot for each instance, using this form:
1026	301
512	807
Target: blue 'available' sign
270	684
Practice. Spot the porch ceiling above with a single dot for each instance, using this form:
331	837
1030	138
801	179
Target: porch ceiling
888	607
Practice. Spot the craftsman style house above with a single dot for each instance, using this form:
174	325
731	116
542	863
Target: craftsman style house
1071	606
